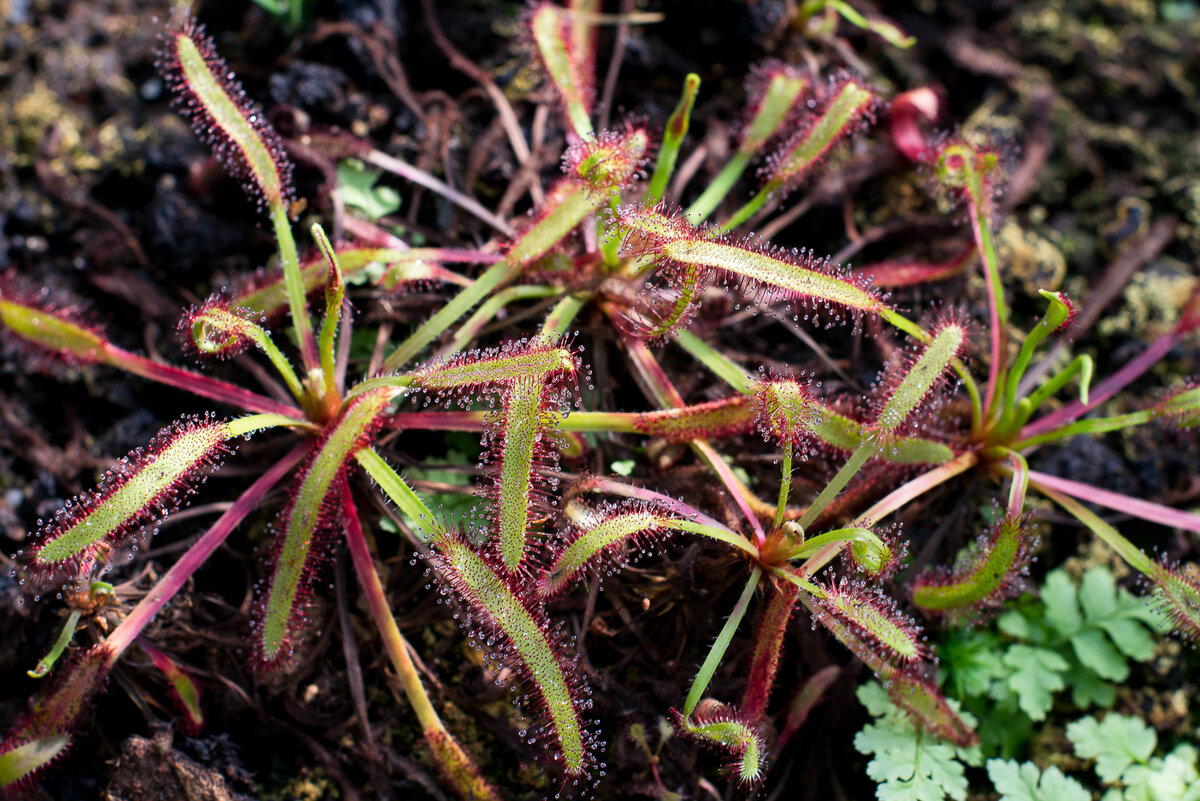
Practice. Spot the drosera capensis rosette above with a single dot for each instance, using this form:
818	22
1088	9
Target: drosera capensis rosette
640	279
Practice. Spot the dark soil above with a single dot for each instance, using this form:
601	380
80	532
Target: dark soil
105	194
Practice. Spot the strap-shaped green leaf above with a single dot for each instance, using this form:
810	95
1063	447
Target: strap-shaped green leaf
910	387
54	332
552	35
139	489
987	575
295	559
516	628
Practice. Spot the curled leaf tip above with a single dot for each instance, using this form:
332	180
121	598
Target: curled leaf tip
721	728
609	160
218	329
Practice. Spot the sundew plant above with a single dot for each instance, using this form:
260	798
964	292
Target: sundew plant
950	401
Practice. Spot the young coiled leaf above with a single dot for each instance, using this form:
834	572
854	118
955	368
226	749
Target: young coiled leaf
969	172
875	562
501	612
609	161
720	728
787	411
218	329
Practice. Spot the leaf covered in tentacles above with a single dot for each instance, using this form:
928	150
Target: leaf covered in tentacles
143	487
603	541
986	575
223	117
750	270
721	728
504	616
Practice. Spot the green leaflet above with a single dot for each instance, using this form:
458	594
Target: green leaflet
909	763
1124	750
1026	783
1081	635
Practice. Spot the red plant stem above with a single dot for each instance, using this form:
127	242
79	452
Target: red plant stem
1106	388
422	178
196	383
807	698
381	613
166	588
372	234
768	645
891	502
454	763
435	421
1154	512
667	396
